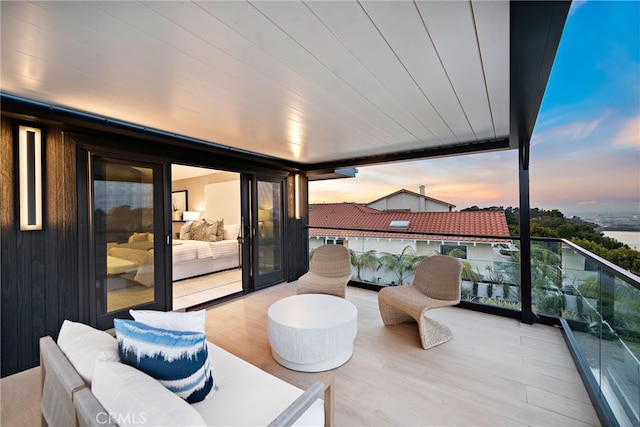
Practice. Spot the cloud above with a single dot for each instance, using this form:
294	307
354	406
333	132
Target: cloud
575	5
629	134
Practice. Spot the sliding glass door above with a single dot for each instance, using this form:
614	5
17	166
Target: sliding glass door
265	229
127	243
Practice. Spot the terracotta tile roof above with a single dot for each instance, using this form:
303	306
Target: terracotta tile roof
356	216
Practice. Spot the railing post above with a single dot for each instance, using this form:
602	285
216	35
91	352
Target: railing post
525	231
607	295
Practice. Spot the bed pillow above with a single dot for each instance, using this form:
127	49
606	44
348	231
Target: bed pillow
139	237
231	231
185	231
176	321
220	231
84	346
132	397
197	229
210	231
178	360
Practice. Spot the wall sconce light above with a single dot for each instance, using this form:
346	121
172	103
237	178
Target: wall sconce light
297	194
30	168
190	215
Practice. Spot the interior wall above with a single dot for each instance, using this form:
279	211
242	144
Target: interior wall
195	188
222	201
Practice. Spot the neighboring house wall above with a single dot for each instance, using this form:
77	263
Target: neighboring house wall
480	255
574	268
398	202
433	206
409	201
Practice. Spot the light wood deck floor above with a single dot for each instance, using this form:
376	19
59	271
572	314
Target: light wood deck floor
494	372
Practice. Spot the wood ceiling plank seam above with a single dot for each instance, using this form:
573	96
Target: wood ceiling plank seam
482	66
409	125
324	78
438	125
359	129
437	52
228	121
90	43
364	140
451	28
421	61
493	25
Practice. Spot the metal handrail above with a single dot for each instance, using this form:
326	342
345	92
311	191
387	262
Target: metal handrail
611	268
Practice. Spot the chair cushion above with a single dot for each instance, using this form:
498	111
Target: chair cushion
178	360
84	346
132	397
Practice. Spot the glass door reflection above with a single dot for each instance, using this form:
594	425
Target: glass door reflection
269	224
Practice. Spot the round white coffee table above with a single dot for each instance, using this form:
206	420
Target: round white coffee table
312	332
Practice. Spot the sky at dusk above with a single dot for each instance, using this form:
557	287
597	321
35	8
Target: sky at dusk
585	150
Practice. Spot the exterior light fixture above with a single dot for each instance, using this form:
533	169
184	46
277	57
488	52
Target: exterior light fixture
297	195
30	169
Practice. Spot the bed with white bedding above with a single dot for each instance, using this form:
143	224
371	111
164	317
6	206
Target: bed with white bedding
194	257
191	257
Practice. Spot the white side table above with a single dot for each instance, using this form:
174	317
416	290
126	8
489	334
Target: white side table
312	332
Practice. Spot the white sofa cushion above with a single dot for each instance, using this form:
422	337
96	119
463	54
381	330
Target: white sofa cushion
178	360
133	398
84	346
172	320
242	400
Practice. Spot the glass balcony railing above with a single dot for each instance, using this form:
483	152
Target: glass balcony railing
596	302
602	311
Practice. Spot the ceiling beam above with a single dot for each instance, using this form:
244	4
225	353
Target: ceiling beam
535	30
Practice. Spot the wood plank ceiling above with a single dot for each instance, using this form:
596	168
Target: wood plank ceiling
311	82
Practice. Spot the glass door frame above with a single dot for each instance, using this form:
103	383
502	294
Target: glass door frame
86	228
252	279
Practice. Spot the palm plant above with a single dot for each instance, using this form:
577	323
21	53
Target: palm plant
402	264
468	273
366	260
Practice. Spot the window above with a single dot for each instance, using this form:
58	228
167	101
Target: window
333	241
454	250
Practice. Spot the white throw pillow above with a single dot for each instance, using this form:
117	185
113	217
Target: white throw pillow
190	321
185	231
231	231
84	346
133	398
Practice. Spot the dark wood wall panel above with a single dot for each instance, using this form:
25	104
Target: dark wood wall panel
39	276
8	249
296	239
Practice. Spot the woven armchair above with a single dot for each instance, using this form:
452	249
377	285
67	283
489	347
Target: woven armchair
329	272
436	284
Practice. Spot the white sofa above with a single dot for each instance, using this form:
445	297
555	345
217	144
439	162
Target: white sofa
87	385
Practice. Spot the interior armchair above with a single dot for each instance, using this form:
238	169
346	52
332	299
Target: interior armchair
329	272
436	284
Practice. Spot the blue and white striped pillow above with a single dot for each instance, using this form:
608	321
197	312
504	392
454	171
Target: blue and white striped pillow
178	360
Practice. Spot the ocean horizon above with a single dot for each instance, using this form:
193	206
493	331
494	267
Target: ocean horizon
631	238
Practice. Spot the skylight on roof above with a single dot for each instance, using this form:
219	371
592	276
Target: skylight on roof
400	224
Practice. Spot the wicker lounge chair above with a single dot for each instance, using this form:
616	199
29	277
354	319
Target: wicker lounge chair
436	284
329	272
